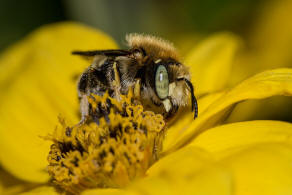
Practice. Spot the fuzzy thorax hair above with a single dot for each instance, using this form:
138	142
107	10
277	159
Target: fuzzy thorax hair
154	46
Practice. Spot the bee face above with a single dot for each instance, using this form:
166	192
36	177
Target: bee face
167	85
150	63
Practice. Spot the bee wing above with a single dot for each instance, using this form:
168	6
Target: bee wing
110	52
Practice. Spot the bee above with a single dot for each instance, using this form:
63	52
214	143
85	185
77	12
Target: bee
150	66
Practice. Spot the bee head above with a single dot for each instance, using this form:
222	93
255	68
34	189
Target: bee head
167	80
170	81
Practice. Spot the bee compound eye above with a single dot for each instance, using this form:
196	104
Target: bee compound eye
161	82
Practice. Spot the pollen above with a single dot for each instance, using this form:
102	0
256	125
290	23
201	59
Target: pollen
110	153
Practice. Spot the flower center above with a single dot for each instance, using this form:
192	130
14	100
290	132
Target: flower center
110	153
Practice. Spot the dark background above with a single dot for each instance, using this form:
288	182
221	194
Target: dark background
160	17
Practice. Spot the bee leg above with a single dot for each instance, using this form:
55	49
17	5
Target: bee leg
84	109
95	119
116	81
137	89
174	108
167	105
96	113
104	111
194	100
170	107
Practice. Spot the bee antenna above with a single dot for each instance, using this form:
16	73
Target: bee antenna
194	100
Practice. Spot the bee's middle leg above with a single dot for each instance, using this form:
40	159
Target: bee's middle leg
84	109
116	83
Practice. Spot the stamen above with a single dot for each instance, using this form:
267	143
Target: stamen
110	154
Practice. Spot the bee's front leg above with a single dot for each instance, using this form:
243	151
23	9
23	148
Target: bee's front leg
169	107
137	89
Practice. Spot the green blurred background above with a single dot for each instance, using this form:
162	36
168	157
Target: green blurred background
116	17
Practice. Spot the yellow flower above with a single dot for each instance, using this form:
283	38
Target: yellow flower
199	156
126	141
268	46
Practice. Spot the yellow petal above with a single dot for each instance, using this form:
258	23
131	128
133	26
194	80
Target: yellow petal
272	36
263	85
108	192
227	139
269	46
188	171
12	185
52	191
38	88
263	169
274	108
2	175
46	190
269	42
192	157
186	117
210	62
